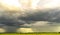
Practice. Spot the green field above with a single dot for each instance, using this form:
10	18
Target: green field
40	33
29	34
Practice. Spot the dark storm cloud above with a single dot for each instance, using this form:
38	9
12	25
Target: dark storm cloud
33	20
52	15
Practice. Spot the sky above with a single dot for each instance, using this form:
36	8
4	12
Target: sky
29	4
13	9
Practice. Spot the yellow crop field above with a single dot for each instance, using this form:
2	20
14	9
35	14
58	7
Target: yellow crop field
29	34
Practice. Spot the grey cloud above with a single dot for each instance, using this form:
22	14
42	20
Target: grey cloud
52	17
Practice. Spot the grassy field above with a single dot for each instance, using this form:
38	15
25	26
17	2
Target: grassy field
29	34
41	33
